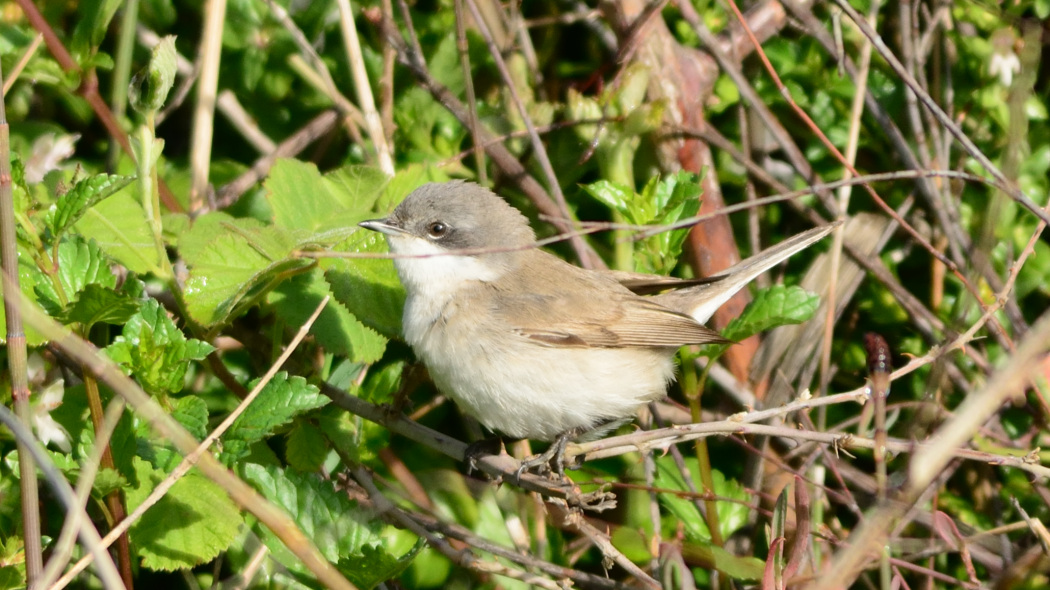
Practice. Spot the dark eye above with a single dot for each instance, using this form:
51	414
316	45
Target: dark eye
437	229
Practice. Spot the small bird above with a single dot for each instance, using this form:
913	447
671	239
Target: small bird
530	345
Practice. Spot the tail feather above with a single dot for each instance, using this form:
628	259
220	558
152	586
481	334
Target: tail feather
701	301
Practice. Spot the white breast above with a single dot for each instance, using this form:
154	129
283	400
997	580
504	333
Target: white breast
509	383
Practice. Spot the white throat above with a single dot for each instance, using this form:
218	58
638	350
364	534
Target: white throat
437	278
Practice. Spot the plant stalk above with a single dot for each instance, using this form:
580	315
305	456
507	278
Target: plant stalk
16	357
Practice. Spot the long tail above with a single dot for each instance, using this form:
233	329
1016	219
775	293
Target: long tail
701	301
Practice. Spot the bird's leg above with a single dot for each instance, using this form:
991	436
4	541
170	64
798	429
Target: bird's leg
411	377
480	448
555	451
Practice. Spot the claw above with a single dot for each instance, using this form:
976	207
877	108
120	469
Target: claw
478	449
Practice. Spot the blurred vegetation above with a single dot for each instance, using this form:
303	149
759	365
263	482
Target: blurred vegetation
188	239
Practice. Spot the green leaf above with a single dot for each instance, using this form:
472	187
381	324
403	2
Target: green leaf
337	201
75	416
359	186
108	480
376	565
336	524
192	412
11	576
772	307
29	276
120	227
731	515
336	329
98	304
94	18
85	194
281	400
228	259
736	567
154	351
80	263
306	448
150	86
190	525
404	182
369	289
354	436
615	196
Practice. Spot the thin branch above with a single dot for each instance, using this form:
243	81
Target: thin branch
17	356
930	461
297	142
193	457
163	424
89	90
204	111
107	570
363	87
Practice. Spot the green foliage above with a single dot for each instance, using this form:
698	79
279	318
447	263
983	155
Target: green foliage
337	329
193	305
345	532
191	524
281	399
155	351
732	513
149	88
772	307
662	202
85	194
120	227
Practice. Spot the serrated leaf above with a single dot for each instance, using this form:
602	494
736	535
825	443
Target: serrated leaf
358	186
404	182
150	86
85	194
615	196
377	565
330	203
772	307
336	329
190	525
154	351
106	481
98	304
12	577
206	228
369	289
80	263
120	227
306	447
73	415
278	403
28	277
337	525
239	257
192	412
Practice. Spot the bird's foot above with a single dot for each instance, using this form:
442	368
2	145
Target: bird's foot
556	453
480	448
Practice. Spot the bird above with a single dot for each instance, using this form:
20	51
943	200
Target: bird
530	345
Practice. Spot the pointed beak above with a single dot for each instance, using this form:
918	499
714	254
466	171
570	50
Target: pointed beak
383	226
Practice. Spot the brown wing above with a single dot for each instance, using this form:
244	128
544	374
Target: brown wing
646	284
568	306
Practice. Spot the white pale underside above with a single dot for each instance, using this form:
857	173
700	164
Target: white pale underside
511	384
